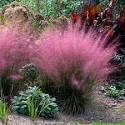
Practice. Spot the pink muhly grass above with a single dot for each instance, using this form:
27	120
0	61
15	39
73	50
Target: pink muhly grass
15	77
16	49
74	57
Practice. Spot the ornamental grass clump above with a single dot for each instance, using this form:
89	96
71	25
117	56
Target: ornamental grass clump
16	49
73	62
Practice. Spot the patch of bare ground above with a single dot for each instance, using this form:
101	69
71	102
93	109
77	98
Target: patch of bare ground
113	110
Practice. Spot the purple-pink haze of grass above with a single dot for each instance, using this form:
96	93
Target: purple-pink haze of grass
77	56
16	49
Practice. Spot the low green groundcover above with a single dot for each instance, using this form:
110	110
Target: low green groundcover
100	123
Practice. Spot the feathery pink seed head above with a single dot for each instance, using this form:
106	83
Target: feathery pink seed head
16	49
61	53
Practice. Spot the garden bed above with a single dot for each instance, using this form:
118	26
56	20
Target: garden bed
102	109
55	60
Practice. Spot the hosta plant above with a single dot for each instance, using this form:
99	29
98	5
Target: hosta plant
74	62
33	102
116	90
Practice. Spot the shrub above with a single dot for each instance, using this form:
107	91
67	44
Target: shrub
74	61
34	102
120	85
119	60
115	91
29	72
111	91
16	51
53	8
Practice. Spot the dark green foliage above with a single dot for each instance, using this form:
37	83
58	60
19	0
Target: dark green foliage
29	72
4	2
68	6
8	86
70	100
31	5
119	61
54	8
46	105
35	25
111	91
120	85
117	5
116	90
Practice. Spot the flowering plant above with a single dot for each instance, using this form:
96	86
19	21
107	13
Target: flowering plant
73	59
16	50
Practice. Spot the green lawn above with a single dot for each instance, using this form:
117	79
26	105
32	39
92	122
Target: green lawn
99	123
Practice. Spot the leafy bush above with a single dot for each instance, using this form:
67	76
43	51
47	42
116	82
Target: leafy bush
117	5
32	5
119	60
74	61
120	85
115	91
34	102
54	8
29	72
111	91
68	6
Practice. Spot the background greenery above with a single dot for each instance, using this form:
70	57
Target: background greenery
4	2
56	8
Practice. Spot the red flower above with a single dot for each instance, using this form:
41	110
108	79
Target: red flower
74	17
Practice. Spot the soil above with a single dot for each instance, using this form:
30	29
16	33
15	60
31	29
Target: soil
100	109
